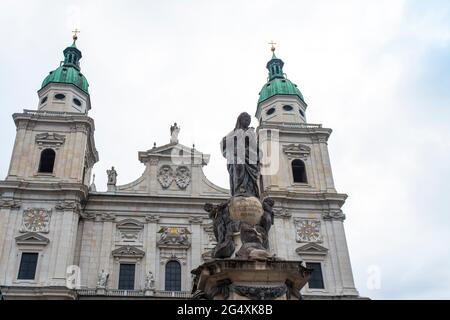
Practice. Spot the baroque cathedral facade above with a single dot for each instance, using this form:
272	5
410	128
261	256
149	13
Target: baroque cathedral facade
62	239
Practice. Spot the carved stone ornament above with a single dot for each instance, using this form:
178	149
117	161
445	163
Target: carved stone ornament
154	161
46	139
182	177
107	216
296	151
88	215
207	255
282	213
260	292
334	215
9	203
36	220
320	138
128	252
174	236
308	230
165	176
167	253
152	218
130	230
68	205
195	220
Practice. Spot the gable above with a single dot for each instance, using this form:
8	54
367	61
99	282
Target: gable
311	249
32	238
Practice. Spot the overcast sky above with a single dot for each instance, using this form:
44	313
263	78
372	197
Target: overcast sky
376	72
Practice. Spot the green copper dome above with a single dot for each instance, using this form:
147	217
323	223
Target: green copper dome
278	83
69	71
279	86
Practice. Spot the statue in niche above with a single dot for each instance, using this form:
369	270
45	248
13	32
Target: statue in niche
112	176
174	131
240	148
102	279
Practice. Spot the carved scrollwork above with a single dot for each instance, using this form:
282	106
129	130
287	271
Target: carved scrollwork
296	151
152	218
260	292
127	252
333	215
47	139
282	213
88	215
107	216
10	204
68	205
195	220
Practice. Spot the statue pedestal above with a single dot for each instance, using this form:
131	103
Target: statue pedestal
101	291
149	292
237	279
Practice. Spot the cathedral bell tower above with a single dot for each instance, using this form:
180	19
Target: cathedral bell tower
42	197
307	206
55	143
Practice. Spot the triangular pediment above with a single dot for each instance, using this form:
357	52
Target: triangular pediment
311	249
128	251
172	147
32	238
174	151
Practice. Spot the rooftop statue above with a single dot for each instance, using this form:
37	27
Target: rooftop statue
174	131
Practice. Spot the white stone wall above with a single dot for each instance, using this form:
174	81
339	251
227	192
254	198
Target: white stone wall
72	147
54	256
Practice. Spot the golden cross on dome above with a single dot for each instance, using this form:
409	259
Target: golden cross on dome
75	32
273	45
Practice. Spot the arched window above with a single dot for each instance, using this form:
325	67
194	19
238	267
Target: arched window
47	161
173	276
299	171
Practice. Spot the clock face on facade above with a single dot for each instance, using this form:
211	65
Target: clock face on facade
35	220
308	231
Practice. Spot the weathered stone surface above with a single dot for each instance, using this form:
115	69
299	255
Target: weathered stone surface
234	279
247	209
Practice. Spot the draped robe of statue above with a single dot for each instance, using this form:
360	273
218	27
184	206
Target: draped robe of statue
240	148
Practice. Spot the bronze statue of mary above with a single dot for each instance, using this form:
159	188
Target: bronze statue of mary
240	148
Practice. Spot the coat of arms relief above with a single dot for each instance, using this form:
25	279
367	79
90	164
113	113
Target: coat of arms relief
36	220
166	176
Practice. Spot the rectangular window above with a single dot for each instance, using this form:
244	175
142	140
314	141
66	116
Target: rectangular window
28	263
126	276
316	279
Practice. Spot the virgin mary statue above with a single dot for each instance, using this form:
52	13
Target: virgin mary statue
240	148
